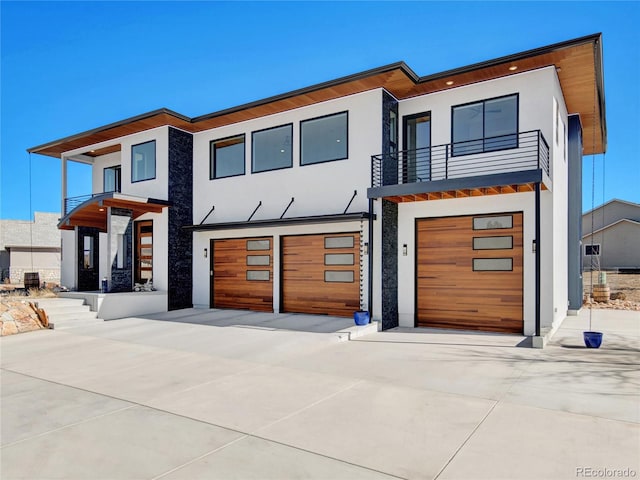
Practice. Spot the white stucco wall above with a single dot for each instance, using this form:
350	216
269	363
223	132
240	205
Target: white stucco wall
318	189
68	270
536	90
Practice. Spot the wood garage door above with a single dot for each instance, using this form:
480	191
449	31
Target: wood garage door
469	273
321	274
242	273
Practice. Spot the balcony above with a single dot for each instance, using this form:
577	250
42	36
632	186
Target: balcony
514	162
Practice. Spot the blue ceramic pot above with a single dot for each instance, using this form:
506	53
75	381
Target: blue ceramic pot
361	317
592	339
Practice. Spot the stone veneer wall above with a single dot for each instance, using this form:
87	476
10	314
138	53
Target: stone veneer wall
180	261
389	223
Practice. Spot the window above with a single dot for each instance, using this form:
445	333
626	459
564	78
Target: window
492	223
272	148
590	250
143	161
485	126
227	157
144	251
87	252
492	264
338	242
324	139
111	179
492	243
416	165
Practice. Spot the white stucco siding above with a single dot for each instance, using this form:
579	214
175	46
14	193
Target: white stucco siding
68	270
202	264
157	187
535	91
516	202
318	189
97	171
153	188
559	206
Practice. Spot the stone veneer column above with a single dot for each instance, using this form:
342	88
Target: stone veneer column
389	222
180	261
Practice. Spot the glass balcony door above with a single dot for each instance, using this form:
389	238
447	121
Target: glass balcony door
416	165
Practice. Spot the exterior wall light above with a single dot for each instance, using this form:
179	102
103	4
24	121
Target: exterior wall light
404	250
205	253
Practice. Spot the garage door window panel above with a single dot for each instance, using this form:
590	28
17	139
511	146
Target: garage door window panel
493	223
258	275
264	260
331	276
258	245
338	259
338	242
493	243
493	264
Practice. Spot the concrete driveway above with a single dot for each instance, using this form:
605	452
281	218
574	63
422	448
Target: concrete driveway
225	395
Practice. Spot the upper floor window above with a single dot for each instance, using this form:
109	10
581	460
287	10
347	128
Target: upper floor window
272	148
324	139
143	161
111	179
485	126
227	157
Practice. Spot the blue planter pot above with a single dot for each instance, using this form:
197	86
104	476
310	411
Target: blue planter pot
361	317
592	339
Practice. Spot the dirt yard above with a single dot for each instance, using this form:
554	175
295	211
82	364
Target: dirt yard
624	286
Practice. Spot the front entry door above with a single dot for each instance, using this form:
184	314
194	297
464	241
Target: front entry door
88	264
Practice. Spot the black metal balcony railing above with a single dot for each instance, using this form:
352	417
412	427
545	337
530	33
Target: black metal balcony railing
72	202
503	154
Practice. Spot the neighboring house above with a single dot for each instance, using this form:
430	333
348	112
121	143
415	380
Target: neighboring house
451	200
29	247
615	244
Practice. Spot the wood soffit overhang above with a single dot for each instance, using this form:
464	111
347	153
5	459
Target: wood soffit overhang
578	63
93	212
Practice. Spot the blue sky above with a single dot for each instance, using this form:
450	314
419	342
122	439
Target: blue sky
68	67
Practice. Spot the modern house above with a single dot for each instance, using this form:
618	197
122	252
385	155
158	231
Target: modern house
30	247
611	236
451	200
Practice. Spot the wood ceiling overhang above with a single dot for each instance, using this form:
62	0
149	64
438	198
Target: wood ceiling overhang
93	212
578	63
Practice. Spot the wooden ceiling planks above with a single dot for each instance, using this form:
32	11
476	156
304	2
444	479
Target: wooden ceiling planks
464	193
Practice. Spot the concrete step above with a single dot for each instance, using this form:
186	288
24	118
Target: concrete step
67	312
64	309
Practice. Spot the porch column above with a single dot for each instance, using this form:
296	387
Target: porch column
64	184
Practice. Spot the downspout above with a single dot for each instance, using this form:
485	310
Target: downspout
538	242
370	253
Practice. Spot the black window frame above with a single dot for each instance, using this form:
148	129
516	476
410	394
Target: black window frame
118	178
253	133
590	248
155	161
484	138
302	122
212	159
